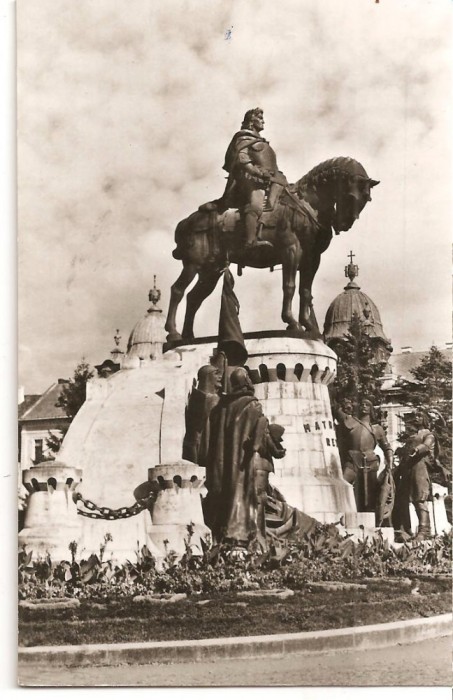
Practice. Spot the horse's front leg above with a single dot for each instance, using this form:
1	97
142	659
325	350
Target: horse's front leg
290	264
204	287
177	292
310	265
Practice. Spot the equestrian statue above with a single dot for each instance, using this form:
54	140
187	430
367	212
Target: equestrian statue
262	221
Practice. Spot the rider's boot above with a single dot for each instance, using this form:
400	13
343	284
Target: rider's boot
251	229
272	197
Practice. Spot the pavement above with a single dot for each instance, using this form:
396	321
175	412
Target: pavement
425	663
354	639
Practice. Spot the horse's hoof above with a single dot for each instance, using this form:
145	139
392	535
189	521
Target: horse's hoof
294	328
174	337
306	326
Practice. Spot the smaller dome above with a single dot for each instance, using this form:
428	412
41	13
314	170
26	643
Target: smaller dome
344	306
353	301
148	335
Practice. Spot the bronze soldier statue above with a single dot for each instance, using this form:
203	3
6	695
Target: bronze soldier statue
413	477
254	181
202	400
359	437
269	440
235	480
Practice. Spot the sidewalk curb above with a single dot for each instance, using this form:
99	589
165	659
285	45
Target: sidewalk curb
366	637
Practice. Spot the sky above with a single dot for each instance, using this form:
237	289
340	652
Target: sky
125	109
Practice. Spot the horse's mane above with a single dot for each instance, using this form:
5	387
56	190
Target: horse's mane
342	166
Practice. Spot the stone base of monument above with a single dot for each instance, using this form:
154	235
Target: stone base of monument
357	533
362	524
437	511
360	519
136	417
51	520
291	378
323	497
177	516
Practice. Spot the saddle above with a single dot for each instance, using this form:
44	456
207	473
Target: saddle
227	216
222	224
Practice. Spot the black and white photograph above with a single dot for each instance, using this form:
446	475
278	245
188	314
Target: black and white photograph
234	343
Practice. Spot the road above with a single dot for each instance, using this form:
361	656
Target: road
422	663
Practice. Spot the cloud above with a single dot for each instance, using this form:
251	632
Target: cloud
124	114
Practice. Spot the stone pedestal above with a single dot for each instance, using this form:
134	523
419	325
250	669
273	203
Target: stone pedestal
291	378
359	533
438	513
360	525
51	520
136	418
179	487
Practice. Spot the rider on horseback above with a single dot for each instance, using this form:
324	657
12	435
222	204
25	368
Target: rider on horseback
254	181
330	196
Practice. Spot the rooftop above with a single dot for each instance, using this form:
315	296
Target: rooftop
45	406
402	363
29	400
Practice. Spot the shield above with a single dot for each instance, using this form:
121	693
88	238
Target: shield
386	497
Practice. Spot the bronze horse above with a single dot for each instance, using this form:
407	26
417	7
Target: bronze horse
330	196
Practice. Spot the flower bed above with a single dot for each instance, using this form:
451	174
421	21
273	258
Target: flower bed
141	602
325	555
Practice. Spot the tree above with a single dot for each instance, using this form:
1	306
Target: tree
74	393
72	397
359	374
430	390
53	442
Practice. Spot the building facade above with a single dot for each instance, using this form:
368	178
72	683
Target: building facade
38	415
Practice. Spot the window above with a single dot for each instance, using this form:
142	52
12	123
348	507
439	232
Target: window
39	451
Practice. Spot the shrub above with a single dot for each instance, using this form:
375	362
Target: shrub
324	555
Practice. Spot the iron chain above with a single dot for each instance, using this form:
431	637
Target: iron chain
104	513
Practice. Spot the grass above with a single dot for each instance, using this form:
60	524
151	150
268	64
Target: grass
229	615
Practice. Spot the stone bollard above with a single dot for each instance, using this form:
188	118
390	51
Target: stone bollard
51	520
179	487
437	510
362	524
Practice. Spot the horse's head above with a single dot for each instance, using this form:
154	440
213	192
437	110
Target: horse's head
339	187
352	191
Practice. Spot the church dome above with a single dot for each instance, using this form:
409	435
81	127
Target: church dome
148	335
345	305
